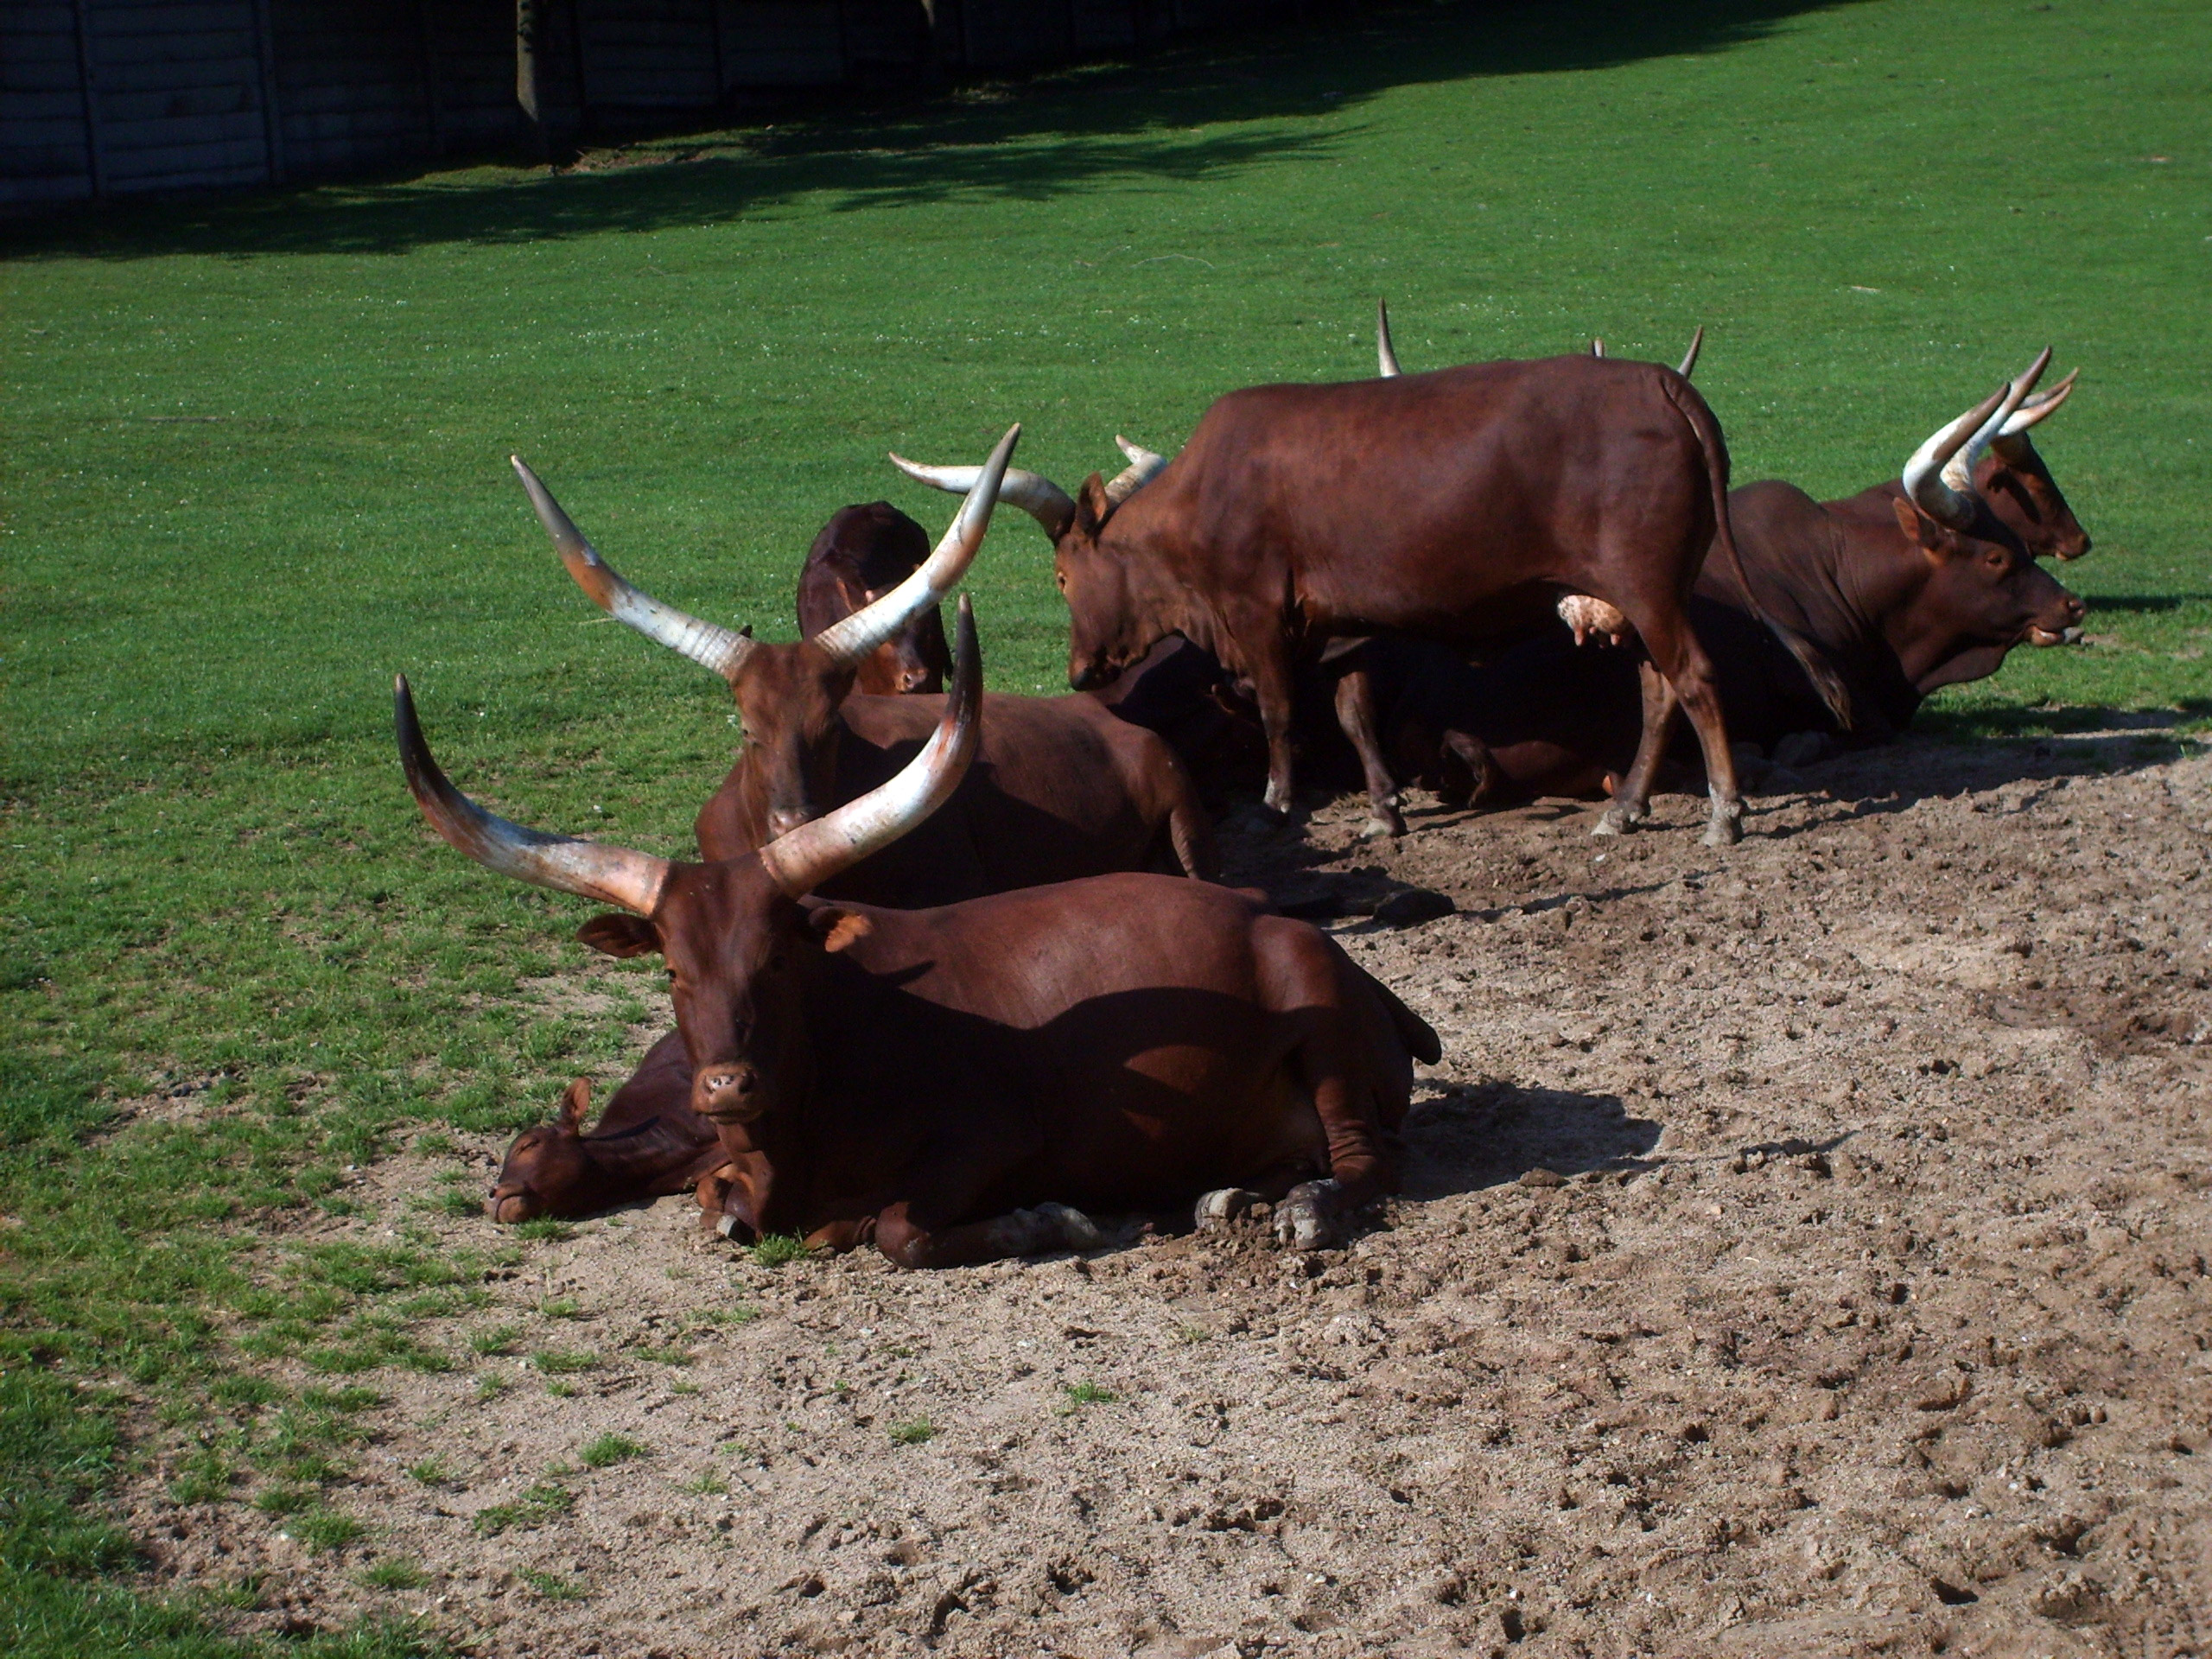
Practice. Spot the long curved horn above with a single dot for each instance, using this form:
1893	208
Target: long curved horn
852	638
1924	478
1597	349
614	875
1958	472
1689	358
1034	493
2033	411
1143	468
702	642
1386	355
803	858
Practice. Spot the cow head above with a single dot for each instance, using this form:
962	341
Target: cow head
733	933
1980	591
787	695
1113	617
556	1169
863	553
2018	486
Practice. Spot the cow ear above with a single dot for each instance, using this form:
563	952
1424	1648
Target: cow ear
1092	508
575	1103
619	936
1919	529
838	929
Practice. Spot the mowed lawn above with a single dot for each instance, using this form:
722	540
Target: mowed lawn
255	460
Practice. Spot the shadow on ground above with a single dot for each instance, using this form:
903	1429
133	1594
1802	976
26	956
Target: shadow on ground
1211	105
1463	1139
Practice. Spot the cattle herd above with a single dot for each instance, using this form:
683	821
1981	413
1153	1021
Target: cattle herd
953	970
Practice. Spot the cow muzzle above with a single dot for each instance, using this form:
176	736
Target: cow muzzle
511	1205
2070	636
729	1094
782	820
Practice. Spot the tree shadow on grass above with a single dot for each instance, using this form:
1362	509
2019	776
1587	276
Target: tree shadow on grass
1212	106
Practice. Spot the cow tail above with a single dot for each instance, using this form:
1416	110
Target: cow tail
1416	1033
1826	681
1190	827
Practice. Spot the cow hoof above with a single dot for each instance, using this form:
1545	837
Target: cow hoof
1221	1206
1077	1231
1379	828
1617	820
725	1225
1725	827
1304	1220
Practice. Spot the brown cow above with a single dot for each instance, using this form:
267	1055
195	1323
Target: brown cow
956	1084
1063	789
863	553
1924	581
1458	505
649	1142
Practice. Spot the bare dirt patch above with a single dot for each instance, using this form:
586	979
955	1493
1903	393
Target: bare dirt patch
1803	1251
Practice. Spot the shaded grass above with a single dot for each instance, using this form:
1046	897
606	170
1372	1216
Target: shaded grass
238	966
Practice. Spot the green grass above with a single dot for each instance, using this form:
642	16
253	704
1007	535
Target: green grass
544	1502
1087	1393
610	1449
777	1249
256	461
914	1431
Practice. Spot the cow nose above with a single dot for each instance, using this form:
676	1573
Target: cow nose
782	820
510	1205
2075	607
729	1092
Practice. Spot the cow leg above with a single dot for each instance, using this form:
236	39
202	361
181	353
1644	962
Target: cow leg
1464	751
1272	689
1631	802
1689	673
1025	1232
1355	715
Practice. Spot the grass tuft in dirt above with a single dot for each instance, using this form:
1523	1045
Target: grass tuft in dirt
610	1449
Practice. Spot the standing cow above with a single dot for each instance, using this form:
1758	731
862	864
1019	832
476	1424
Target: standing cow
1063	789
956	1084
1924	581
1458	506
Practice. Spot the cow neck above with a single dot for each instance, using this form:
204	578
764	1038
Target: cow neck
1167	603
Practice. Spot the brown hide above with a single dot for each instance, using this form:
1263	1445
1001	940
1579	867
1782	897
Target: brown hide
919	1077
1458	506
863	553
1059	789
1900	606
649	1142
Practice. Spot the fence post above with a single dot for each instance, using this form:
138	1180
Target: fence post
95	146
272	130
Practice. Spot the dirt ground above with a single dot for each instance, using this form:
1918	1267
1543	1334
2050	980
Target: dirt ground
1802	1252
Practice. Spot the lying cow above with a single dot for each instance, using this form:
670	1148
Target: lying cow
648	1143
959	1084
1925	581
863	553
1458	505
1061	790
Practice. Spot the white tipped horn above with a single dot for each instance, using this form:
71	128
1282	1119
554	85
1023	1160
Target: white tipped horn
2033	411
1386	355
702	642
1689	358
1924	476
852	638
1597	349
1035	494
1144	466
613	875
803	858
1958	472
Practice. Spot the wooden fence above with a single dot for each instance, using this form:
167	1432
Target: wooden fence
114	97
